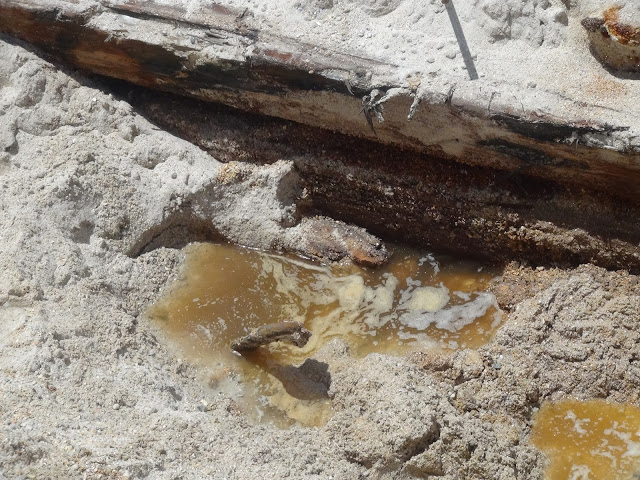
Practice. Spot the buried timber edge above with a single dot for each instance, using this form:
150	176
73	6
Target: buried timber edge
412	197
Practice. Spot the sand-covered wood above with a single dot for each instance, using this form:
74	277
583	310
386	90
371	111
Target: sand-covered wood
218	53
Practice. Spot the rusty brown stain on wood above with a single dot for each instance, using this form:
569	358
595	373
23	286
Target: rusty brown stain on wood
68	36
624	33
284	57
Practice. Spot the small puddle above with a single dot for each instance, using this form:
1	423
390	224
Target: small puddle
591	440
415	302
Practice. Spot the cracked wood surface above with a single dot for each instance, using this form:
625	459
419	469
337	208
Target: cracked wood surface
218	54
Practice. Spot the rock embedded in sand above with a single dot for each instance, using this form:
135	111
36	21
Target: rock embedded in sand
291	332
328	239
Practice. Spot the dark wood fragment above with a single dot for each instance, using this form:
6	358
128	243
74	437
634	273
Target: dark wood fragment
291	332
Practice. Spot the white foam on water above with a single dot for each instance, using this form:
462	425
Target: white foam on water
580	472
353	297
363	308
463	296
452	318
577	422
424	299
632	447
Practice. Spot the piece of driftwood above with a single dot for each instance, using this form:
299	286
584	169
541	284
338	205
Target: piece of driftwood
291	332
219	54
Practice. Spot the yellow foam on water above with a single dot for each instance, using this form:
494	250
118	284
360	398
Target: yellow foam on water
591	440
427	299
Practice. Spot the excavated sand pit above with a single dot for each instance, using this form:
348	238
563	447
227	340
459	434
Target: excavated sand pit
414	303
102	186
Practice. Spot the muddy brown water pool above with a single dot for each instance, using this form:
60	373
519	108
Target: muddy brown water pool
417	301
590	440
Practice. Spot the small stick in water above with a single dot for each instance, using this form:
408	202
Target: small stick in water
292	332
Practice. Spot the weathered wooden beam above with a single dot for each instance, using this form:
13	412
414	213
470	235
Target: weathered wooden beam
410	197
218	54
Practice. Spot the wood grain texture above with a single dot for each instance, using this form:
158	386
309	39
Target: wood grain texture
218	54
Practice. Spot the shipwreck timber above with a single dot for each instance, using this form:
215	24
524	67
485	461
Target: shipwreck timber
460	165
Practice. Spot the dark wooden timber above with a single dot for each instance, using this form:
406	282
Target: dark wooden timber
463	167
407	196
218	54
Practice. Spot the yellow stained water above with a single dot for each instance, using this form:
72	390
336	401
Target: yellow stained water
591	440
415	302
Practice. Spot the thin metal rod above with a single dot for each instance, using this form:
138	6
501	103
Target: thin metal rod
462	41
